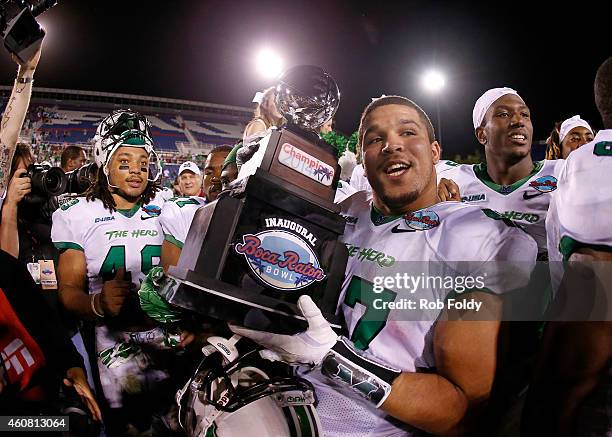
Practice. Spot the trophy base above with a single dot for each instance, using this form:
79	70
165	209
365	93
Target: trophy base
249	257
220	300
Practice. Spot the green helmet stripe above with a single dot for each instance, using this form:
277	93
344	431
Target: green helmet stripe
211	431
302	421
306	428
135	141
315	425
292	421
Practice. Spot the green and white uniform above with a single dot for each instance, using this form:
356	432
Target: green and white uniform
525	202
579	218
344	191
426	243
166	194
359	181
582	205
177	216
111	240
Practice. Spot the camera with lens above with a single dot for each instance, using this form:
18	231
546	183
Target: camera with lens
79	180
46	182
18	27
52	181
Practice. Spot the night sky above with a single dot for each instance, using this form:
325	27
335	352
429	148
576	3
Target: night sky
205	50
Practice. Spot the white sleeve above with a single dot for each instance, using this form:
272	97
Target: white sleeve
359	181
166	194
357	177
343	191
175	220
444	168
583	201
555	257
66	232
511	261
492	248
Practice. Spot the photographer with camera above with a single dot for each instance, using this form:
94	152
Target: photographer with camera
19	187
30	199
27	190
25	220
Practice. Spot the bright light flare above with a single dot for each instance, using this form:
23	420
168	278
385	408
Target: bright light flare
433	81
269	64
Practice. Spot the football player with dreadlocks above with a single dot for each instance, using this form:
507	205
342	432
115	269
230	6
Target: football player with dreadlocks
109	239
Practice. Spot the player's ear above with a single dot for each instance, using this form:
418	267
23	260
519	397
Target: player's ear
436	151
481	135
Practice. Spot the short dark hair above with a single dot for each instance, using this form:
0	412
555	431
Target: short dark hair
603	92
395	100
223	148
70	152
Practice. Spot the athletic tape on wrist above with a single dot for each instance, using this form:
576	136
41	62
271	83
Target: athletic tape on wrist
366	377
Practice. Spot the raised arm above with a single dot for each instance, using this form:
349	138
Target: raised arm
14	115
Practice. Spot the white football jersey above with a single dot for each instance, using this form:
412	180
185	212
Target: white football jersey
343	191
111	240
177	216
525	202
426	245
166	194
359	181
582	205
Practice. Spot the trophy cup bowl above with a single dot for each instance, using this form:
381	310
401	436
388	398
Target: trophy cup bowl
307	96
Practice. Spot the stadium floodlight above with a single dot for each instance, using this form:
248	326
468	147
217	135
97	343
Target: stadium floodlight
269	64
433	81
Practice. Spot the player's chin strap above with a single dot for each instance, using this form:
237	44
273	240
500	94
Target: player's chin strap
229	352
351	367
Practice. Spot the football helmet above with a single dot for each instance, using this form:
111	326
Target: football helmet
247	396
124	127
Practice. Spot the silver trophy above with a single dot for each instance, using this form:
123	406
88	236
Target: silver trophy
307	96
